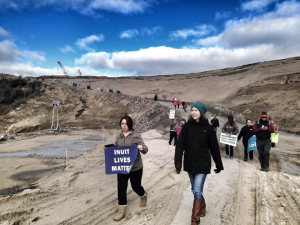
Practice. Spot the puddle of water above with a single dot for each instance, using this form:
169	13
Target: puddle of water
58	148
28	177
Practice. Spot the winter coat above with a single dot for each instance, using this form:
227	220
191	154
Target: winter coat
175	102
199	142
178	102
179	130
174	126
246	133
227	128
183	103
263	135
215	122
134	138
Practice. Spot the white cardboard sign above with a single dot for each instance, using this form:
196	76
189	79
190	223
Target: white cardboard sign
228	140
55	103
172	114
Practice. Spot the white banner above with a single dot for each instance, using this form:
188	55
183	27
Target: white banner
172	114
228	140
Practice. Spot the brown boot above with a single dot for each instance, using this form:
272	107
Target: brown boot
203	208
121	213
143	202
193	212
197	212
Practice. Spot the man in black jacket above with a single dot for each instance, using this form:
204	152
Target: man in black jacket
246	133
263	131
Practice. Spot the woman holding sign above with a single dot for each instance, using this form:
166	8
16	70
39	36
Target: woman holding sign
230	128
130	137
199	142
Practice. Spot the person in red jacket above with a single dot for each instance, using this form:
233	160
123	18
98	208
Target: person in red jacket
178	104
263	131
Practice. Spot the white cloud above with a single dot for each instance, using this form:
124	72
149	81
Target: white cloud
36	56
165	60
222	15
90	8
196	32
3	32
279	28
257	5
129	33
151	31
121	6
84	43
9	51
67	49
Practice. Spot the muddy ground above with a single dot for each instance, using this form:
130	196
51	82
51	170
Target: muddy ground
83	194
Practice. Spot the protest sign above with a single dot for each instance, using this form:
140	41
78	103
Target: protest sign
119	160
172	114
274	137
228	140
251	144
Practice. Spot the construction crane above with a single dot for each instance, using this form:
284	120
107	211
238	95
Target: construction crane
63	69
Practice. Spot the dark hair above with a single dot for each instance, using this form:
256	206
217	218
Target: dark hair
128	122
247	120
230	120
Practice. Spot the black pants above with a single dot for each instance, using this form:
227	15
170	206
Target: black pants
245	151
263	148
136	184
227	150
173	135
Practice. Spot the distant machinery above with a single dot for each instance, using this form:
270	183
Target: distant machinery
63	69
78	74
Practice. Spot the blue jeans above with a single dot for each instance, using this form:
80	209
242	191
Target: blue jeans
197	182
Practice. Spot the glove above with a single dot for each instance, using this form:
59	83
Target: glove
217	170
178	167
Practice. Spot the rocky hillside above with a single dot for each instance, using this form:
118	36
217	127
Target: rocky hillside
82	108
278	96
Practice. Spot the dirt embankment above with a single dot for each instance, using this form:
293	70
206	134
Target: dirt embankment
82	108
278	96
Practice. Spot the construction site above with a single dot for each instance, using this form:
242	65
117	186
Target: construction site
53	129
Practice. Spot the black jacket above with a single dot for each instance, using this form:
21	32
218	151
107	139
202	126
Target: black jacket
246	133
215	122
199	142
263	135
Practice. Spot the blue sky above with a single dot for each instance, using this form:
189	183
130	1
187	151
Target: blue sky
144	37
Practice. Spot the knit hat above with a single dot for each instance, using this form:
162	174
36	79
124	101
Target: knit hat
264	114
182	120
200	106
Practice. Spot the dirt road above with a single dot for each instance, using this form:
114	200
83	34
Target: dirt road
83	194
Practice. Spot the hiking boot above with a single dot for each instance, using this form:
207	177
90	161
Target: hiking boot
267	170
262	169
197	212
143	202
203	208
231	157
121	213
226	156
245	160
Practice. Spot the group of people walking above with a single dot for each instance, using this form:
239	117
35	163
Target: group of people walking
196	139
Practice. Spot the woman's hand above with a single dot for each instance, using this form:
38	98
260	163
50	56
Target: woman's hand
140	147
